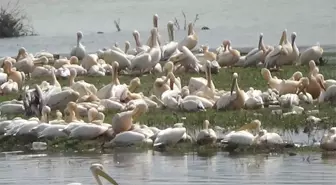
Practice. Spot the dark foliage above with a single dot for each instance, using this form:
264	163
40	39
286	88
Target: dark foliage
14	21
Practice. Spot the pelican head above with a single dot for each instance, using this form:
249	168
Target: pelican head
185	91
283	36
155	20
79	35
72	105
261	35
22	52
115	67
304	82
206	124
260	40
73	60
127	46
293	37
98	170
45	113
234	81
136	34
139	109
205	48
255	124
7	66
168	67
170	25
59	114
312	64
134	84
92	114
266	74
297	75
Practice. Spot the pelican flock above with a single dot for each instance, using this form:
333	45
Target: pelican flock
80	107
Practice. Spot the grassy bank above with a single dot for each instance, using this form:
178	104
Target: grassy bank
248	77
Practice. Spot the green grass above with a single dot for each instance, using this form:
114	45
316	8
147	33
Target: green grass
248	77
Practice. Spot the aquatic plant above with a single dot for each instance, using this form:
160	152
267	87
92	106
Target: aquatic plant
117	24
14	21
177	24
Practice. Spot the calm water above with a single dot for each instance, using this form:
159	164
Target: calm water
57	21
130	168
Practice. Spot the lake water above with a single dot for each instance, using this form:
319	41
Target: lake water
155	168
56	22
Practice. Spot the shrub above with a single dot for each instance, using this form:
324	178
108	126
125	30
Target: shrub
14	21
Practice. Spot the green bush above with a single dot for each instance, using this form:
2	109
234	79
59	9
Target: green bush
14	21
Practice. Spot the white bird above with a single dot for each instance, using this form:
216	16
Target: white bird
206	136
79	49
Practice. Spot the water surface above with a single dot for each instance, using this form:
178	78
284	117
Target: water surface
154	168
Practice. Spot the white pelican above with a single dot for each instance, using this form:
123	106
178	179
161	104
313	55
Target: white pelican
169	136
253	99
106	91
123	121
9	87
155	50
88	131
170	48
156	26
328	95
187	60
79	49
294	56
241	136
190	41
328	141
287	49
229	56
206	136
311	53
272	56
129	138
98	170
284	86
139	47
257	54
111	56
316	84
267	138
82	87
208	91
16	76
232	100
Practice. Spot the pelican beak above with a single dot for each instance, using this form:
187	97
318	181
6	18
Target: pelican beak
18	56
96	171
234	81
282	38
136	114
47	118
321	84
301	89
172	81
